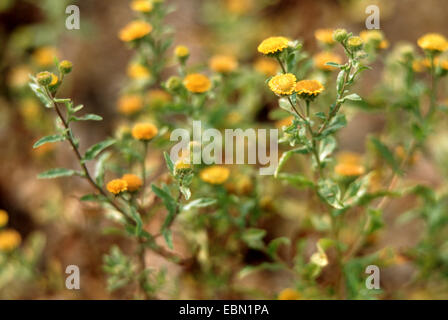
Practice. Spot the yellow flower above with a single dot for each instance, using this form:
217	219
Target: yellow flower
130	104
349	169
266	66
142	6
309	89
9	240
158	97
117	186
355	43
18	76
375	37
273	45
223	63
349	157
322	58
433	42
44	56
286	122
197	83
324	36
418	65
234	117
289	294
133	182
54	79
182	165
239	6
181	51
283	84
144	131
137	71
135	30
215	174
3	218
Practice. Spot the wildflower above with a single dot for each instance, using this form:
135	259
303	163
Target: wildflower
182	166
130	104
309	89
283	84
273	45
417	66
244	185
181	52
173	83
223	63
144	6
324	36
197	83
433	42
215	174
289	294
158	97
135	30
286	122
133	182
18	76
144	131
266	66
65	66
54	80
137	71
44	56
44	78
319	258
355	43
9	240
3	218
322	58
349	169
339	35
117	186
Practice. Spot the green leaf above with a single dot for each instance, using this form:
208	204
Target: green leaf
330	192
274	244
169	162
385	153
49	139
296	179
100	168
333	64
337	123
326	148
138	221
376	220
41	95
199	203
352	97
285	157
90	116
185	191
93	197
58	172
254	238
95	150
168	238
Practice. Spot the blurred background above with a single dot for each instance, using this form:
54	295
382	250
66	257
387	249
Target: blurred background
56	228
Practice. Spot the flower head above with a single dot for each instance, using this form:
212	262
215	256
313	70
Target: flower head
137	71
181	51
158	97
130	104
215	174
355	43
65	66
142	6
266	66
322	58
133	182
349	169
339	35
3	218
289	294
324	36
44	56
375	37
54	80
117	186
223	63
182	165
197	83
44	78
283	84
309	89
135	30
285	122
144	131
433	42
9	240
273	45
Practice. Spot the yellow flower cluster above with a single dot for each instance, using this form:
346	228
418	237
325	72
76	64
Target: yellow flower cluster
144	131
283	84
273	45
223	63
434	42
197	83
117	186
135	30
215	174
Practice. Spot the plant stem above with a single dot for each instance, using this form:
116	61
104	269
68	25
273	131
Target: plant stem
281	65
145	152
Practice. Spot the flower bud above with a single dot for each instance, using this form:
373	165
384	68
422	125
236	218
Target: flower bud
44	78
340	35
355	43
173	83
65	67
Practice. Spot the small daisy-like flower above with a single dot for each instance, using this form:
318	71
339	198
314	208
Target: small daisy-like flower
44	78
181	51
289	294
3	218
135	30
144	131
133	181
286	122
182	165
9	240
197	83
117	186
324	36
349	169
355	43
309	89
142	6
44	56
137	71
273	45
433	42
215	174
266	66
130	104
65	66
223	63
322	58
283	84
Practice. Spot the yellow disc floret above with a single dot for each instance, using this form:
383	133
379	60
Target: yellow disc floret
144	131
289	294
273	45
215	174
309	88
324	36
223	63
3	218
135	30
283	84
142	6
9	240
197	83
130	104
322	58
134	182
433	42
117	186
